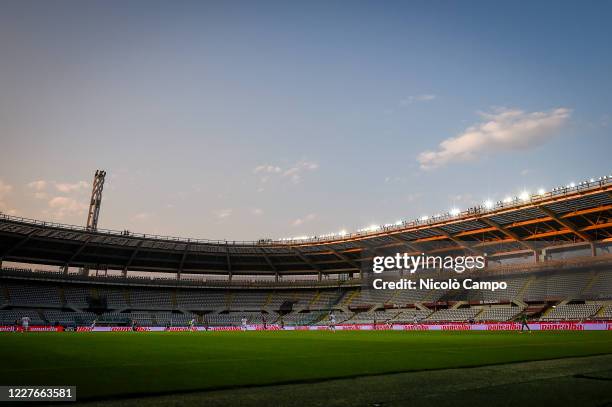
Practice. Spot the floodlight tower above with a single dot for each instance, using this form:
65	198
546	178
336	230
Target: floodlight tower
96	200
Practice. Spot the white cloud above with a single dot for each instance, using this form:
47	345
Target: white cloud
141	217
393	180
67	188
64	187
37	185
294	173
301	221
504	130
427	97
5	190
7	210
267	169
4	208
62	206
257	211
413	197
223	213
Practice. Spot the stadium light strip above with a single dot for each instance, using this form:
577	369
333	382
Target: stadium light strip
486	207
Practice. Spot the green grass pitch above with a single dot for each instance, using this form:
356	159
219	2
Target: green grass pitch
119	364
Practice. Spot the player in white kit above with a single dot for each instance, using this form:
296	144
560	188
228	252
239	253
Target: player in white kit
244	323
25	323
332	321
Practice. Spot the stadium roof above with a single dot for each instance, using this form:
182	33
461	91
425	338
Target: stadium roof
581	213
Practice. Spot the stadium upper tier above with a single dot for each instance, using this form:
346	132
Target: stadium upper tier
530	224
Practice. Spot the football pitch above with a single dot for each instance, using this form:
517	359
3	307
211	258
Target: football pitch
134	364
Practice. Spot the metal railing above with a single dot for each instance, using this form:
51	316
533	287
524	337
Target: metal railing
29	274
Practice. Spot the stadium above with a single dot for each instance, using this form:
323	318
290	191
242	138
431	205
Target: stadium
550	252
305	204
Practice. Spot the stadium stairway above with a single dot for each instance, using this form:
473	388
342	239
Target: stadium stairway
182	310
94	293
519	295
128	298
458	304
173	300
420	306
393	315
519	303
62	295
376	306
72	307
537	311
314	299
42	316
602	310
322	316
229	297
6	293
392	298
346	302
590	284
339	298
268	300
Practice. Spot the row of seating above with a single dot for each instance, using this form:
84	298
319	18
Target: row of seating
487	313
80	297
572	312
158	306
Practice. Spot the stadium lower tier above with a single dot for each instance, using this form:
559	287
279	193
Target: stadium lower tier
562	295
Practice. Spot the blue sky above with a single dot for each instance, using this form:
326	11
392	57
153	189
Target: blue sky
243	120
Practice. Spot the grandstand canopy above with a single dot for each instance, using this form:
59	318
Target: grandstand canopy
581	214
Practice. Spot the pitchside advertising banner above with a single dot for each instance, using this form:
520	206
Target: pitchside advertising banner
492	326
